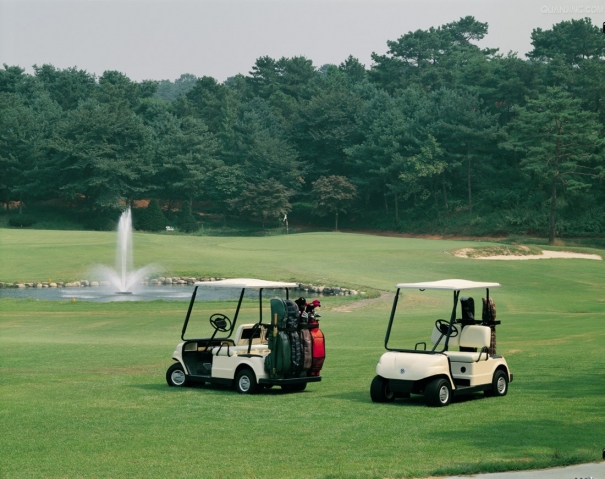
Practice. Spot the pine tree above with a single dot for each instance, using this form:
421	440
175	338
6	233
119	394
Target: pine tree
562	146
152	218
186	220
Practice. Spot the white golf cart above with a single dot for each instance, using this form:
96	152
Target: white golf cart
237	360
462	359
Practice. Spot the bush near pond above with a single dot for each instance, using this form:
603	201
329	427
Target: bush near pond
22	220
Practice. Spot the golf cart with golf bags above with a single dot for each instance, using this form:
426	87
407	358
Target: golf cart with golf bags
286	350
462	358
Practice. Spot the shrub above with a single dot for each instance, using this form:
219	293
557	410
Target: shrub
22	221
101	223
151	219
185	220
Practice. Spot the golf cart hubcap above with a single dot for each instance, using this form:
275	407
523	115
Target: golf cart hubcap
178	377
444	394
244	383
501	385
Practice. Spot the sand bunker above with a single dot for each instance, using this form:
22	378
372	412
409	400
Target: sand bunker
546	254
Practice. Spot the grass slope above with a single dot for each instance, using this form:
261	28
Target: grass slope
83	390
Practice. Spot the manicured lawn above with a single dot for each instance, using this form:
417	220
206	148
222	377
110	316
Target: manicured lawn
83	392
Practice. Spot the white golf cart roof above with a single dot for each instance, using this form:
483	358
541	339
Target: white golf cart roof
449	285
249	283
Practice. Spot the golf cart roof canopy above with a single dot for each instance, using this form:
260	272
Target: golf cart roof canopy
246	283
449	285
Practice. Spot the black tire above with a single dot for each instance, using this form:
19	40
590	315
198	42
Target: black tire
379	390
245	381
294	388
499	386
438	393
176	376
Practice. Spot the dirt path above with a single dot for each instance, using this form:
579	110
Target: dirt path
347	308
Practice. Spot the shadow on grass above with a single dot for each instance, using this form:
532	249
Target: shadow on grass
163	387
415	400
528	443
217	388
570	386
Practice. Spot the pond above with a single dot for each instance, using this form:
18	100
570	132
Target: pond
104	294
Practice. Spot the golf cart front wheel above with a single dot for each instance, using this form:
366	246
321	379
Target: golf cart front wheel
438	393
499	384
245	381
176	376
379	390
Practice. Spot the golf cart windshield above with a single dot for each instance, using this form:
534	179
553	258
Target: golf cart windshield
446	329
219	321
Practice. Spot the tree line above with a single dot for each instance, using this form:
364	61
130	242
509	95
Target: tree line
436	135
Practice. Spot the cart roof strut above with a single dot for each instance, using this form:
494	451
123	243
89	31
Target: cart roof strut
449	285
249	283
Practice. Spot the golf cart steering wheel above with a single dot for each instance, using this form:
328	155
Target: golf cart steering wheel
442	326
220	322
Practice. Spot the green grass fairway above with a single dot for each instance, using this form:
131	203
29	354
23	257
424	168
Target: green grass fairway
83	392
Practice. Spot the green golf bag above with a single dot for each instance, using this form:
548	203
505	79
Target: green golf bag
296	346
278	362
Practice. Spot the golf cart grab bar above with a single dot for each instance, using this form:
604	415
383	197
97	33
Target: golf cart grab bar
251	338
221	347
483	350
416	346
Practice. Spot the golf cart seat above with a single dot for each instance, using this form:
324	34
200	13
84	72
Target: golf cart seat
473	336
249	331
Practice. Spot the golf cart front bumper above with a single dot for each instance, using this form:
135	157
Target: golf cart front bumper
412	366
290	381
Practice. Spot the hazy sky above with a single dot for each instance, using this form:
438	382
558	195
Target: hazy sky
150	39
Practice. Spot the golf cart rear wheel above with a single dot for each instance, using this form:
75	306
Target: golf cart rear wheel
292	388
379	390
176	376
499	384
245	381
438	393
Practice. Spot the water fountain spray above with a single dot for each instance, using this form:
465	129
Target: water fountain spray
124	278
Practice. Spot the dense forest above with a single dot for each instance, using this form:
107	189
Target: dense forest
437	135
